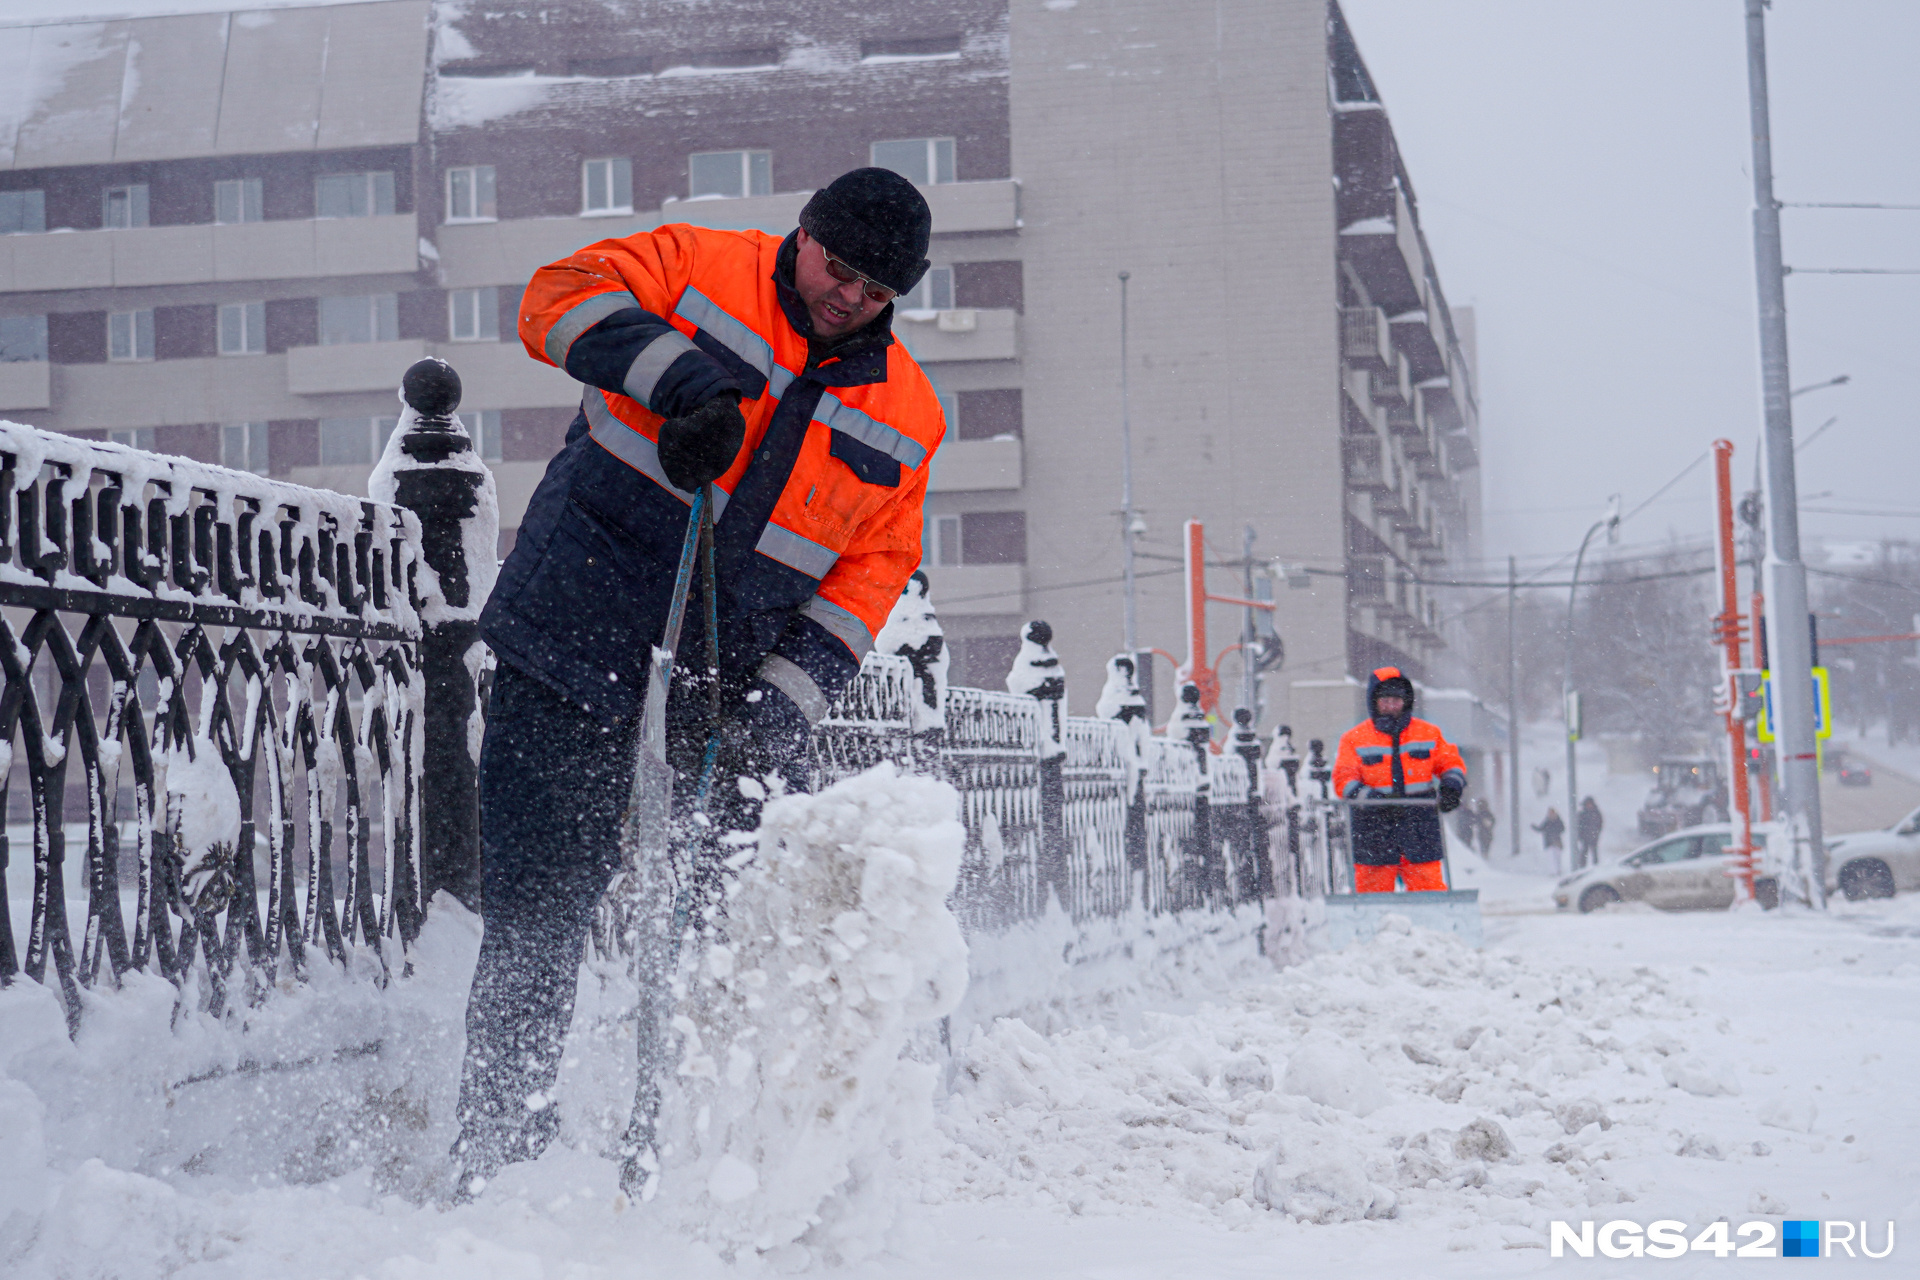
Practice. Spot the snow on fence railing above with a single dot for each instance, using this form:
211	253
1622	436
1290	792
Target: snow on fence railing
1102	834
278	697
240	662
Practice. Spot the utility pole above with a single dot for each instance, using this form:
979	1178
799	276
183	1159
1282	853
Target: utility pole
1569	696
1789	643
1249	678
1513	715
1131	625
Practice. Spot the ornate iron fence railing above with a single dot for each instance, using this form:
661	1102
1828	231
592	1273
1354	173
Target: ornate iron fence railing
242	666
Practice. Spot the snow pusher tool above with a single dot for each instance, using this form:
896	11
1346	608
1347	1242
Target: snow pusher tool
1355	917
656	869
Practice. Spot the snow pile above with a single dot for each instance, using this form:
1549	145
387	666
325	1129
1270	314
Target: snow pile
792	1094
1410	1078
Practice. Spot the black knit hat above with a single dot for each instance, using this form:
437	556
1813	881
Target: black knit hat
876	222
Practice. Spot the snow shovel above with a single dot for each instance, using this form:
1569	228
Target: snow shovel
661	875
1355	917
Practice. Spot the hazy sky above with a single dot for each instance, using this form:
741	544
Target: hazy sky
1584	180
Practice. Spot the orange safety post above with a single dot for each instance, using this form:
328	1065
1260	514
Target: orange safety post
1728	624
1196	671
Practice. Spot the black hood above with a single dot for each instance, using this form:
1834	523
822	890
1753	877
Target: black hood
1388	680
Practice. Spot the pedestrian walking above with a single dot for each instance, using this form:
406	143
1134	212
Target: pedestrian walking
1551	828
765	367
1483	824
1586	832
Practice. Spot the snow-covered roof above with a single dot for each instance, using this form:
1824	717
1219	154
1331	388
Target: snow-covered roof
241	82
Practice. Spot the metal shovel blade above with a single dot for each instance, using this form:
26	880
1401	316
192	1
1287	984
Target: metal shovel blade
652	877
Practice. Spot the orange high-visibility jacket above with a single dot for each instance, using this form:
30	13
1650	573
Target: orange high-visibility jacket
1413	758
818	519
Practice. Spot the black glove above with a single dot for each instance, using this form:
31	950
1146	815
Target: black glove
767	737
698	448
1449	797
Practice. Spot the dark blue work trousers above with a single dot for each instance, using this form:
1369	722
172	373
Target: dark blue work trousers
553	784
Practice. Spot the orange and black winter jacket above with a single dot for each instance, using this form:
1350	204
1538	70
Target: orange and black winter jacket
1387	759
818	518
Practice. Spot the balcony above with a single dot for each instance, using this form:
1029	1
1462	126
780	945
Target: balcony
501	375
977	588
1366	339
969	466
1366	469
353	366
1415	337
1392	385
966	334
1386	253
294	249
26	384
151	393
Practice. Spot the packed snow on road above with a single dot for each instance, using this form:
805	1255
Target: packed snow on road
1407	1106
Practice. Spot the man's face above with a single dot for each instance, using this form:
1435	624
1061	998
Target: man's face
1390	704
836	309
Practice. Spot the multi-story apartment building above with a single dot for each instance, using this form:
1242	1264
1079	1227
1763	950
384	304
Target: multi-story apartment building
229	233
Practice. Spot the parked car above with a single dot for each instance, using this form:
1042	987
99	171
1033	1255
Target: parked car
1686	871
1855	774
1867	864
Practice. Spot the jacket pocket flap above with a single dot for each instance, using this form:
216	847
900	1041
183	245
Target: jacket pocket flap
867	462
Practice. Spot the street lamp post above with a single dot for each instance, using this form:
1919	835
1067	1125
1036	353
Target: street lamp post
1790	645
1611	523
1129	521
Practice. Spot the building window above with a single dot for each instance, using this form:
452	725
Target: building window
123	207
941	544
993	537
987	415
933	293
362	318
243	328
470	194
353	195
236	200
243	447
483	427
606	186
730	173
130	335
353	442
922	160
22	211
473	315
145	439
23	338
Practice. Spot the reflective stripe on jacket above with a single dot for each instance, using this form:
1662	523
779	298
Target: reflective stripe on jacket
1372	765
818	518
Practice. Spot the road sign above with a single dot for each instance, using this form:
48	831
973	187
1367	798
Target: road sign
1822	707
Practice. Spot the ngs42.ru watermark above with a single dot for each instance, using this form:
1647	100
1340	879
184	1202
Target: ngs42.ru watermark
1794	1238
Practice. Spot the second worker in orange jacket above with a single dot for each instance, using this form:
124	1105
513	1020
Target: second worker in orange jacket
1387	757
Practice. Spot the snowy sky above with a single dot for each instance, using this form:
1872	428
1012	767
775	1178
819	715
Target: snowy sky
1583	174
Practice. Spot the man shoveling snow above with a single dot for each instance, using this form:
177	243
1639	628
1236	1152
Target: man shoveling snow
751	374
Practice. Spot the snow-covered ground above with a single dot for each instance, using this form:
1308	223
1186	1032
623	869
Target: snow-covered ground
1410	1107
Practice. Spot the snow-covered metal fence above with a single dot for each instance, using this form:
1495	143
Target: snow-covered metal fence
1158	831
240	662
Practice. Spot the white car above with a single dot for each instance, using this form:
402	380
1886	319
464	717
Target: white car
1875	864
1689	870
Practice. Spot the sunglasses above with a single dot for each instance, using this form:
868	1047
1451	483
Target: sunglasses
847	275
